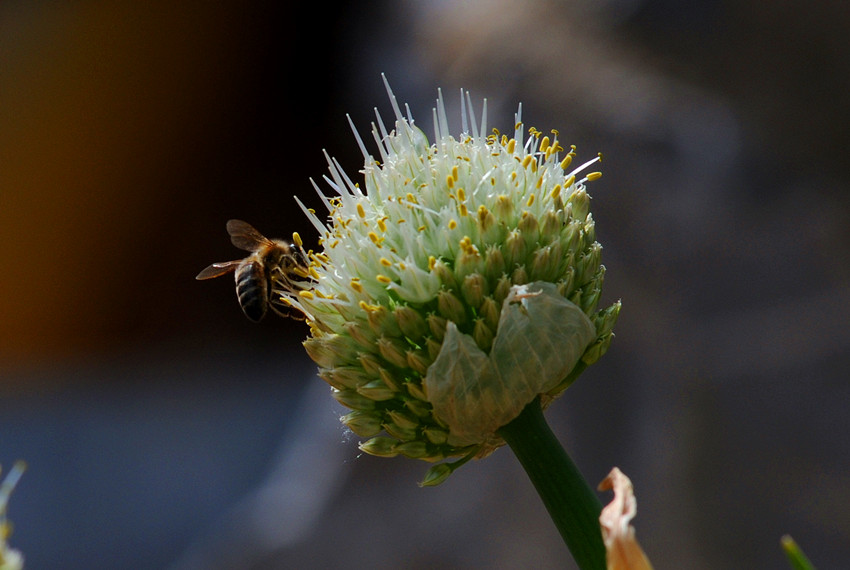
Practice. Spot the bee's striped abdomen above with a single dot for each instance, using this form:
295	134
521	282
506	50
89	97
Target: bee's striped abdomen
252	289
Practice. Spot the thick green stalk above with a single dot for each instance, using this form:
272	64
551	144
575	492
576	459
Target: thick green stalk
572	504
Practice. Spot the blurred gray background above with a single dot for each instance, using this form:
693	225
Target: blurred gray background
163	430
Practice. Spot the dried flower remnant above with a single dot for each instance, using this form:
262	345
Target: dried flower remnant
457	284
623	550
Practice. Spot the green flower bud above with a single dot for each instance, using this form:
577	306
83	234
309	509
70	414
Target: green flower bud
413	449
474	289
393	350
437	326
376	390
411	322
418	361
343	377
436	435
489	311
450	307
353	399
483	335
529	229
400	433
380	446
364	423
436	475
494	263
403	419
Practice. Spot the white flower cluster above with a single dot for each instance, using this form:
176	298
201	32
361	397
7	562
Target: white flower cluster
435	244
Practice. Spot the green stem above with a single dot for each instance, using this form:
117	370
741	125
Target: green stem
572	504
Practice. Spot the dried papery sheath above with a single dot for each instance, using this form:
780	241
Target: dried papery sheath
458	280
540	338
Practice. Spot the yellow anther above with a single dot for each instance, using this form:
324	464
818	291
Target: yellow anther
511	146
360	211
526	161
432	262
306	294
461	195
593	176
450	182
383	279
556	191
452	224
544	144
382	224
463	211
313	273
454	172
296	239
467	246
385	262
530	201
356	286
570	181
374	237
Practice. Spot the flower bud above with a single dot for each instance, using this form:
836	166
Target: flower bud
363	422
489	311
437	326
450	307
380	446
494	263
474	289
353	399
411	322
376	390
483	335
418	361
393	351
343	377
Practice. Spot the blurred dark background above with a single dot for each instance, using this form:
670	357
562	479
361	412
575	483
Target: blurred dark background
163	430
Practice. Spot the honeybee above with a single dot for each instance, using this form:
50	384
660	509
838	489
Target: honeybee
272	265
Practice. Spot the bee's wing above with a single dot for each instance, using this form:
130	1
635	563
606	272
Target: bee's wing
218	269
244	236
